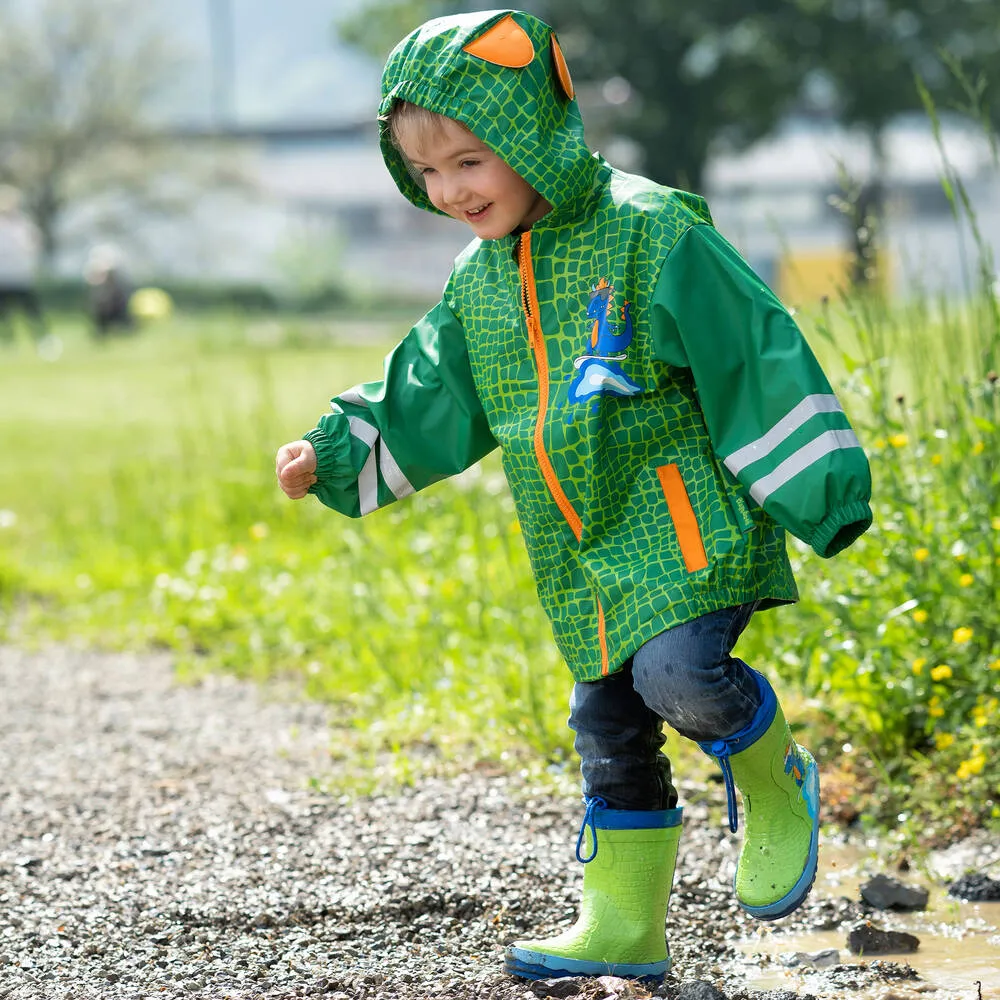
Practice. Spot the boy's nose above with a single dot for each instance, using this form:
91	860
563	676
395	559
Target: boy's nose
452	189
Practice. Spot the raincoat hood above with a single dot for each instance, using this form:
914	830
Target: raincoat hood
501	74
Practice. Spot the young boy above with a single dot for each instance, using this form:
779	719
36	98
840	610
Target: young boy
662	423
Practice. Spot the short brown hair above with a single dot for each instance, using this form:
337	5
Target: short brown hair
425	121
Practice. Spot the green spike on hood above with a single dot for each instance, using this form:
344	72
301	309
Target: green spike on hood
521	114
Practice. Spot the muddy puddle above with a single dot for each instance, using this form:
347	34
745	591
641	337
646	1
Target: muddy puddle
959	953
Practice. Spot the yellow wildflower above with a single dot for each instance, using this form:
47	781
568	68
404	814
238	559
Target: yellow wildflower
941	672
978	448
920	616
919	663
995	665
935	459
980	716
966	580
878	443
995	524
258	531
974	765
961	635
934	709
943	740
921	554
899	440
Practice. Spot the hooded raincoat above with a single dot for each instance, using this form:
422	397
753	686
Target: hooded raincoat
661	419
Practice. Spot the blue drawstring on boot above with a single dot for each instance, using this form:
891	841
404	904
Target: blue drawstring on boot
588	820
747	736
720	750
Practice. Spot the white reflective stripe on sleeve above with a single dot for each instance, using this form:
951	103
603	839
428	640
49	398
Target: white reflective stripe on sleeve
800	460
353	395
368	478
392	473
790	422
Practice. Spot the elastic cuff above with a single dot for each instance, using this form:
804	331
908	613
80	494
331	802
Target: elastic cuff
841	528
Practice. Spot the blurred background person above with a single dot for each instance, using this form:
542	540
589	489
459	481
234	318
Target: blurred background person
110	291
19	248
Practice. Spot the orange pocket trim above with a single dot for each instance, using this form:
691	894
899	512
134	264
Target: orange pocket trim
682	514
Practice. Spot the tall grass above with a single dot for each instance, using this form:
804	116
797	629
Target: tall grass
899	638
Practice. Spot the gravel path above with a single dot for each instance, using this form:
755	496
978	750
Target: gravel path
162	840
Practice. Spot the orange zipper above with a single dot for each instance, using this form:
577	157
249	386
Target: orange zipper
529	300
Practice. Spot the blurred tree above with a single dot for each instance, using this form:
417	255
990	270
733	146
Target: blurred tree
866	57
77	78
673	76
678	77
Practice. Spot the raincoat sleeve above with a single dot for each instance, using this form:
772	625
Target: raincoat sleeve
774	422
420	423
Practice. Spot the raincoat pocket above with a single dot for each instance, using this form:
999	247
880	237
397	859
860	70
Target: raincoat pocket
683	517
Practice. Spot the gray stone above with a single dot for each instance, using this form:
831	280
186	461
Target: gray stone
976	888
886	893
867	939
699	989
824	959
570	986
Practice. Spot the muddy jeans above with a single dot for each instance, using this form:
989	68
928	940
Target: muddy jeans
686	677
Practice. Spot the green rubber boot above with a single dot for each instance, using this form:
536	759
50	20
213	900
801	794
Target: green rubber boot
779	781
626	890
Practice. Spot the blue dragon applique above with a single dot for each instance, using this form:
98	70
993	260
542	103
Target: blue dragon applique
599	371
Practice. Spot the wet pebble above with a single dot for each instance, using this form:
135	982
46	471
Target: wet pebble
976	888
699	990
886	893
814	960
867	939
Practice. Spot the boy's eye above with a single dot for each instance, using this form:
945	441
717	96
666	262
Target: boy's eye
469	163
424	171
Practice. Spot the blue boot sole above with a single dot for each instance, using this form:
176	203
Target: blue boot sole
537	965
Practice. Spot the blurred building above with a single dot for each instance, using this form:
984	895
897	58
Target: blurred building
290	114
322	198
782	203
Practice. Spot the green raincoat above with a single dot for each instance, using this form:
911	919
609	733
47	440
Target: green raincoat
661	419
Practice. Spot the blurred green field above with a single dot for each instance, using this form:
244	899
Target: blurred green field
138	509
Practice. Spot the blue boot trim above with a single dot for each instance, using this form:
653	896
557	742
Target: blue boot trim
794	897
747	736
537	965
597	816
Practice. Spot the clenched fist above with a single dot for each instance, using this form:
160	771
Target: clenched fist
295	466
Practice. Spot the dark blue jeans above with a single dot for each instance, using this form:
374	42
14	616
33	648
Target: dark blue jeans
685	677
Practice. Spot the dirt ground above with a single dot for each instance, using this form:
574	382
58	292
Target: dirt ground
164	840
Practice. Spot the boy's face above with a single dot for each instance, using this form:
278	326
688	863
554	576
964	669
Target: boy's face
468	181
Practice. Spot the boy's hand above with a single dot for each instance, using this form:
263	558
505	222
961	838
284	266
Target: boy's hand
296	468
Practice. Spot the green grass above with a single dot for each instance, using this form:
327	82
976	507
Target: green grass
138	509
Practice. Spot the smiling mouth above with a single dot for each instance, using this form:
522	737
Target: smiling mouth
477	212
